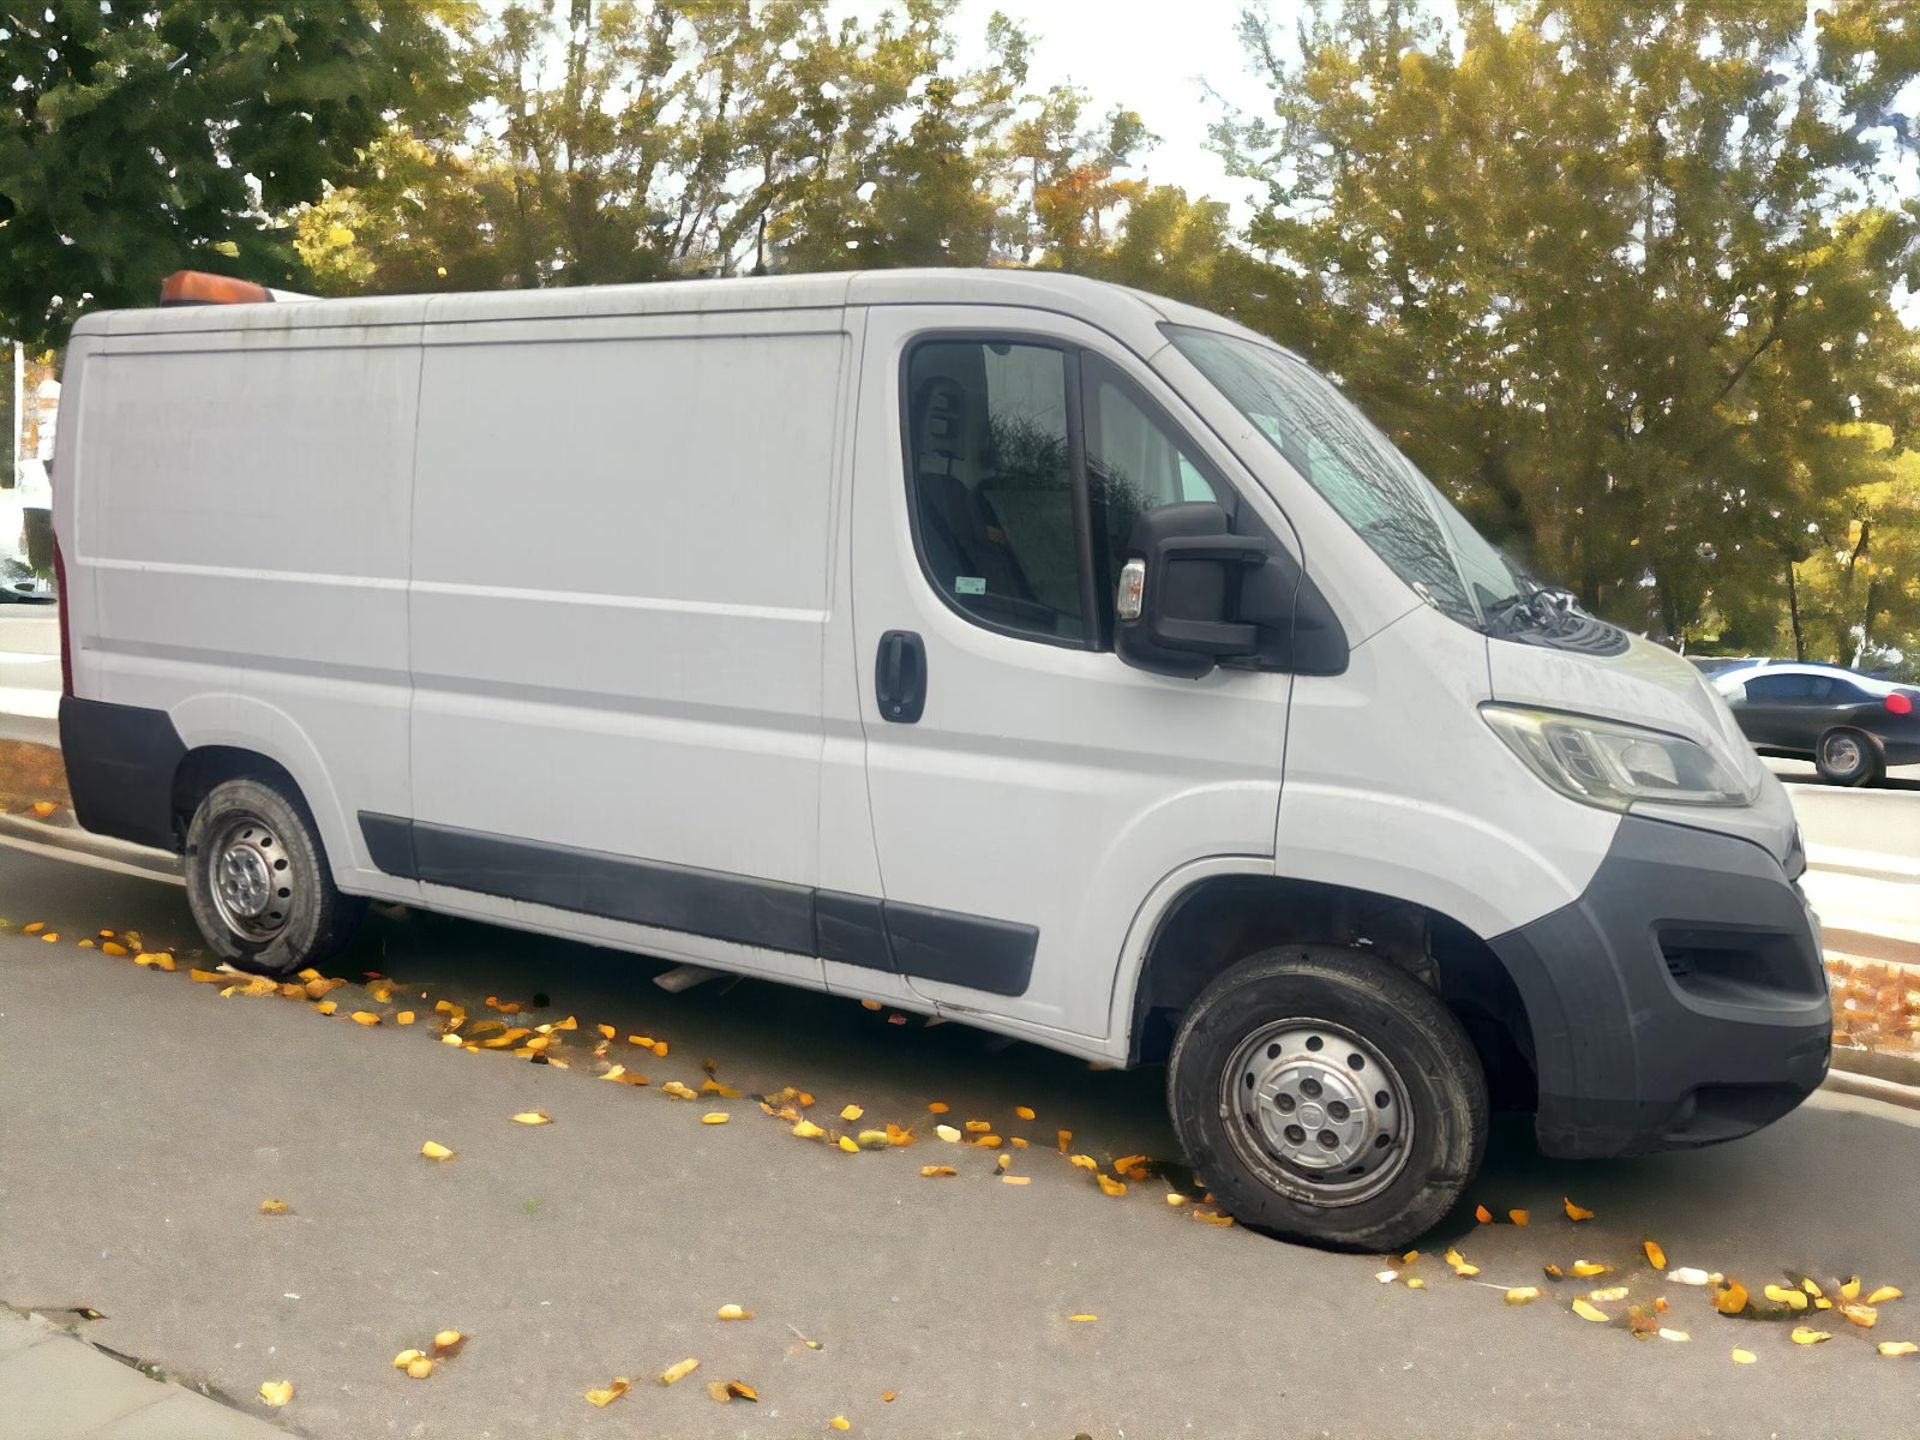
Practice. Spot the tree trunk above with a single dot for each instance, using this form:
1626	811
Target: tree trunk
1793	609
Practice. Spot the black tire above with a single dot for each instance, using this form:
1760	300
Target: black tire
264	837
1856	757
1428	1060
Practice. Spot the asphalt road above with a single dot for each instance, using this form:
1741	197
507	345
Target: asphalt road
145	1118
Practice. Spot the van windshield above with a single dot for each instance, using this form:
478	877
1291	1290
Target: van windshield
1377	490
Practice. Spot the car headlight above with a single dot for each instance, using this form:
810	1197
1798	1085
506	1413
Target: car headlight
1605	763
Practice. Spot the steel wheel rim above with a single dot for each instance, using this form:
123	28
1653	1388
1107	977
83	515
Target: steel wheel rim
1843	753
1320	1109
250	879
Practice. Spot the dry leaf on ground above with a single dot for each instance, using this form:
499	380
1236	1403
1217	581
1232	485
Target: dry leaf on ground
613	1392
434	1150
276	1392
533	1117
1575	1212
679	1371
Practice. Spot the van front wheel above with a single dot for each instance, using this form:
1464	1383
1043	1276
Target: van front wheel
1326	1096
258	882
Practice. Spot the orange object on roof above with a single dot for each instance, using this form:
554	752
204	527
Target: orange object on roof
197	287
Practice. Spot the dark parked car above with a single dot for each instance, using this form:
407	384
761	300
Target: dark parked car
1851	726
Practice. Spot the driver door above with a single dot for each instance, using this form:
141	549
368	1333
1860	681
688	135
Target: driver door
1033	789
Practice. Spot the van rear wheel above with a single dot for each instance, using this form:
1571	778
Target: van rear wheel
1327	1097
258	881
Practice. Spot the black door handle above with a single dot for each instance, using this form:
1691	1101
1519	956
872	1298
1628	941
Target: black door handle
900	677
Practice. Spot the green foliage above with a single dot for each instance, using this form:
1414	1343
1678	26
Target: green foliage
141	136
1614	275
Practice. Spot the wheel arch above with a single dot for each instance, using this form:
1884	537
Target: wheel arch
230	736
1220	913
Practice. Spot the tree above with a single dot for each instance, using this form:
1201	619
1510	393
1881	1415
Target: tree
143	136
631	141
1612	274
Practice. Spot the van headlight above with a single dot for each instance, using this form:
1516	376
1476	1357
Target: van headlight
1606	763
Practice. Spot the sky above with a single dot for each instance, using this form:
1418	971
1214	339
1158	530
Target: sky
1153	56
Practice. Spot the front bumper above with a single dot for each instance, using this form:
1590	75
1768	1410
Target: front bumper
1680	1001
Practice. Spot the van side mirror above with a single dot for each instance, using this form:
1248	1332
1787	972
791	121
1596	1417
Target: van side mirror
1178	605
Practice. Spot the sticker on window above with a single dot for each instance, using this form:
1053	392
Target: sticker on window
969	585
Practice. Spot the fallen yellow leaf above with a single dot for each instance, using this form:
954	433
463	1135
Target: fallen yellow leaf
613	1392
607	1032
1025	1112
733	1312
1416	1283
1083	1319
275	1392
898	1136
807	1130
1174	1197
1109	1185
660	1048
886	1397
1518	1217
1483	1215
931	1171
51	936
1811	1288
1732	1300
678	1371
715	1117
711	1086
1656	1257
33	928
947	1133
1608	1295
849	1144
1783	1295
1744	1357
938	1107
988	1142
419	1368
840	1422
273	1207
978	1127
1677	1336
1064	1138
111	947
1897	1347
1587	1269
1017	1142
850	1113
873	1140
1805	1335
1865	1316
1459	1264
679	1091
42	809
1214	1217
533	1117
1884	1294
365	1017
405	1358
444	1340
645	1042
1850	1288
1589	1312
1085	1162
1016	1179
433	1150
1575	1212
450	1040
1409	1257
1523	1294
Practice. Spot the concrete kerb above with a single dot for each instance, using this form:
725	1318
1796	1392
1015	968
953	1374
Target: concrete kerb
55	1385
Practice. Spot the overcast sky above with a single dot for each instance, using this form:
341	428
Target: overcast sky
1149	55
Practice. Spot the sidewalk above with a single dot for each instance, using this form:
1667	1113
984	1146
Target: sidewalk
54	1386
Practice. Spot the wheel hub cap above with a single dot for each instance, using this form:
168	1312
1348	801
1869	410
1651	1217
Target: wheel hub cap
245	883
248	875
1842	753
1322	1107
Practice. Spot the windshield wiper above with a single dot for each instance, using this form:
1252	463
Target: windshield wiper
1532	606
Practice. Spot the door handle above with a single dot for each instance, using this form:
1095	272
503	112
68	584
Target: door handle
900	677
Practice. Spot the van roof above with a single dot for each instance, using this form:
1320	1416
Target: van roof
1131	315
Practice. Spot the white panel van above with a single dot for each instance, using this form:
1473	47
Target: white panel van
1011	647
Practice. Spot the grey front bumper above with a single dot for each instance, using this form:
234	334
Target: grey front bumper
1680	1001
